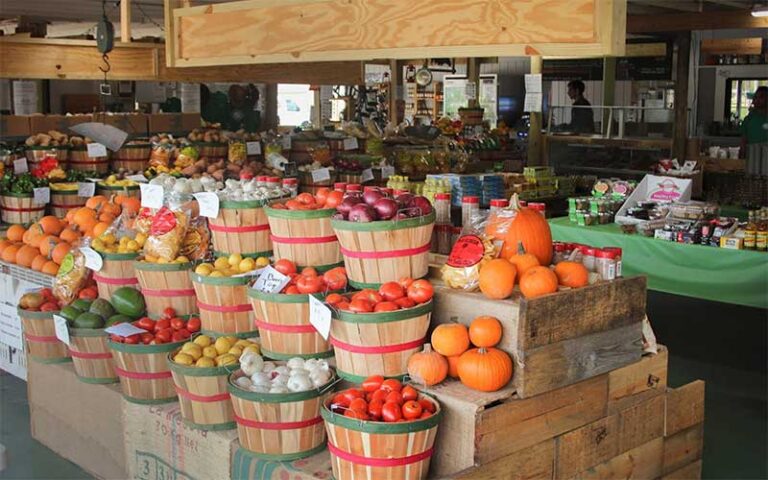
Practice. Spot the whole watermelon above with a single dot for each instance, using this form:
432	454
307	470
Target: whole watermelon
128	301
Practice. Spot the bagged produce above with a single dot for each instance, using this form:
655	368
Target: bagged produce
166	234
471	251
72	277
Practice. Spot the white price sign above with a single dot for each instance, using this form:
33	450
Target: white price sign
92	259
20	166
62	331
151	196
366	175
252	273
387	171
253	148
86	189
208	203
350	143
320	316
271	281
96	150
137	178
287	142
124	329
42	195
321	175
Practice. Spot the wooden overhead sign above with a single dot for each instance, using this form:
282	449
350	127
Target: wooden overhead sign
273	31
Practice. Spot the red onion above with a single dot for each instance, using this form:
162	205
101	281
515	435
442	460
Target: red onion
386	208
372	196
362	213
346	205
404	199
422	203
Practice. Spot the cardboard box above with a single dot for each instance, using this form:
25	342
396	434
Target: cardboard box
248	467
14	126
173	122
658	189
81	422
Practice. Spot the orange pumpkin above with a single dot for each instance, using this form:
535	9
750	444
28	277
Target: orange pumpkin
3	244
86	227
38	262
83	216
131	204
485	331
59	252
497	279
50	225
453	366
50	268
485	369
523	261
427	367
530	228
47	243
69	235
112	209
15	233
26	255
450	339
100	228
538	281
96	202
572	274
498	224
9	253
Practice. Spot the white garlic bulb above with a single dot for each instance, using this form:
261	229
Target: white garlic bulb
295	362
299	383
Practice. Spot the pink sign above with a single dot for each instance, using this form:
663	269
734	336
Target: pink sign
665	191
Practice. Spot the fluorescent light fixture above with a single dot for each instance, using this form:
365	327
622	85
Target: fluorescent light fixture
760	11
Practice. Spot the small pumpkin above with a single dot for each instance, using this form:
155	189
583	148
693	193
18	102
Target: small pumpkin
485	331
15	233
427	367
532	230
523	261
572	274
453	366
497	279
485	369
26	255
450	339
538	281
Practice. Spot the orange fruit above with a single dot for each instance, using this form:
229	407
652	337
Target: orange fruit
51	225
38	262
9	253
26	255
16	233
50	268
59	252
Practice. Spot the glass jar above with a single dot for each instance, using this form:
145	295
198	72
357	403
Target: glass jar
539	207
442	208
617	257
354	187
261	181
273	182
387	191
560	252
588	257
470	207
340	186
605	264
498	204
444	239
291	185
455	234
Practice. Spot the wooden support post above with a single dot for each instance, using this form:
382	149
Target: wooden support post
125	20
270	105
680	132
609	87
395	79
473	75
534	133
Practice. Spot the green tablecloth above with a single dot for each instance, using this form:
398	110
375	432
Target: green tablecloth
710	273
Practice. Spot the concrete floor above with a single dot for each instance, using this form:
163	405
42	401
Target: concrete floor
725	345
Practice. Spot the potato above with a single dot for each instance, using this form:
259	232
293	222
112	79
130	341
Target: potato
234	168
218	175
212	168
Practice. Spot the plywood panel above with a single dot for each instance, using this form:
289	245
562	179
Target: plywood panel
531	463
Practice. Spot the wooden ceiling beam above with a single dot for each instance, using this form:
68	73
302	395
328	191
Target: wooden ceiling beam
682	22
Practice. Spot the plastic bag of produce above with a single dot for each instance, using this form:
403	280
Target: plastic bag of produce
470	252
72	277
197	240
166	235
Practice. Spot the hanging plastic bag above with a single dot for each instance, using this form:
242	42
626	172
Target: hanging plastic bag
166	235
72	277
471	251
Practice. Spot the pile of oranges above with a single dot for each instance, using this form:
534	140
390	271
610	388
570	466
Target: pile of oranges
323	198
43	246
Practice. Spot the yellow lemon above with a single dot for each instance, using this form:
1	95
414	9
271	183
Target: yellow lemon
246	265
262	262
210	352
226	359
222	345
181	259
132	245
221	263
217	273
183	359
235	259
203	340
203	269
124	240
193	350
236	351
162	260
252	348
232	340
141	238
205	362
242	343
109	238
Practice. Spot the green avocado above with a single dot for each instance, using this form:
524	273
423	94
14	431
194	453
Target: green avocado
88	320
102	308
119	318
70	313
82	304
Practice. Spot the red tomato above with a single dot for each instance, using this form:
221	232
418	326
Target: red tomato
146	338
309	272
291	290
391	291
116	338
386	307
305	198
169	313
361	306
47	293
390	412
427	405
342	305
164	335
336	278
147	324
177	323
162	324
308	284
379	395
374	409
334	299
177	336
351	394
412	410
185	334
333	199
194	324
133	339
340	399
284	266
49	307
88	294
356	414
405	282
395	397
368	294
321	195
405	302
359	404
421	291
409	393
372	383
425	414
391	385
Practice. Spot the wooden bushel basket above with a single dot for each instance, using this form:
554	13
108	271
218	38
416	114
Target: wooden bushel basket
40	337
81	161
224	306
109	190
212	149
241	227
36	154
20	208
279	426
91	356
203	395
364	450
133	157
145	377
116	272
378	343
385	251
304	236
284	328
166	285
62	201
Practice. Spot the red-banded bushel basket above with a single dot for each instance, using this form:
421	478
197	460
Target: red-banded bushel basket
284	328
224	306
304	236
279	426
241	227
212	150
64	200
80	160
385	251
20	208
143	370
36	154
109	190
132	157
91	356
365	450
203	396
40	337
166	285
366	344
117	271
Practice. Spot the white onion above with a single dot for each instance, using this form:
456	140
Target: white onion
278	389
243	382
295	362
268	367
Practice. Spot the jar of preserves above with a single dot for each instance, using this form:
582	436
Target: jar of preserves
470	207
442	208
605	264
291	185
588	257
617	257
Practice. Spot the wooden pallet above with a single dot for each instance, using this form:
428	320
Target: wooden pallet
559	339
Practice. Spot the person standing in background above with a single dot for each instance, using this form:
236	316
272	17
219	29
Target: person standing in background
754	134
582	119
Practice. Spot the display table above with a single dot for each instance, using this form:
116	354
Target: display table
729	276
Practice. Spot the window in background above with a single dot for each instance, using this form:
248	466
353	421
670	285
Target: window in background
455	96
294	104
740	91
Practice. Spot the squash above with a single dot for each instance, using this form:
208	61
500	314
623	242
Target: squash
128	301
523	261
450	339
532	230
427	367
485	369
485	331
497	279
538	281
572	274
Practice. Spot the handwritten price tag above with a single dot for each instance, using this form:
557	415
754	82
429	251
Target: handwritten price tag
92	259
124	330
209	204
42	195
86	189
253	148
321	175
387	171
350	143
287	142
271	281
366	175
96	150
20	166
151	195
320	317
62	330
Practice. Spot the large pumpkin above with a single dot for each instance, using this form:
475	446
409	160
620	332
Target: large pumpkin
485	369
532	229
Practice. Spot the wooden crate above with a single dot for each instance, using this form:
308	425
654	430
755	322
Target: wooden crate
482	428
560	339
